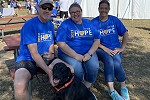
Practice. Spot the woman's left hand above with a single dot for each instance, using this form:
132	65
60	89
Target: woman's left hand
117	50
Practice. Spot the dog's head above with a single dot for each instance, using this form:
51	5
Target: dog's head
61	74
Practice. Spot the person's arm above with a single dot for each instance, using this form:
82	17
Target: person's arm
94	47
124	41
37	57
109	51
39	60
116	50
69	51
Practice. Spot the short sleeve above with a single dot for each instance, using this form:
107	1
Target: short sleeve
61	34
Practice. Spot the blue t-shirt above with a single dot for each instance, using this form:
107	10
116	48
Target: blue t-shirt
34	31
54	12
28	4
110	30
56	4
79	37
37	1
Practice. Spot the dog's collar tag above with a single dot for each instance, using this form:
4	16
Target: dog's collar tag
58	89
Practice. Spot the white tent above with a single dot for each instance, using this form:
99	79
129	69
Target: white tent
127	9
130	9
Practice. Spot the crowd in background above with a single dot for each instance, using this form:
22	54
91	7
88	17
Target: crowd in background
60	7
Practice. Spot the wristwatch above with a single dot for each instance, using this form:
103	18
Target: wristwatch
90	54
52	53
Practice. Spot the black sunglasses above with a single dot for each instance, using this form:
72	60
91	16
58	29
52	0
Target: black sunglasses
45	7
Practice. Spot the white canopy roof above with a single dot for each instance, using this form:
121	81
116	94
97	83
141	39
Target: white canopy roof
127	9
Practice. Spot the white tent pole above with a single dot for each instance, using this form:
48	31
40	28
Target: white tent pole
128	7
117	7
132	11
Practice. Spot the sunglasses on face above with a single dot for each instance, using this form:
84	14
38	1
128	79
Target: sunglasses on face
45	7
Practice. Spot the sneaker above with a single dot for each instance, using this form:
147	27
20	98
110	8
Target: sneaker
115	96
125	93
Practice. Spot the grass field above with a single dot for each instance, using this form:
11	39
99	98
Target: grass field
136	64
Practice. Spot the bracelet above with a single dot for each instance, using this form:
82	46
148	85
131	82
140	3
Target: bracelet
52	53
90	54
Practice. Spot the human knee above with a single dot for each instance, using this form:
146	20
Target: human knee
117	61
20	85
96	66
118	58
21	80
19	89
117	64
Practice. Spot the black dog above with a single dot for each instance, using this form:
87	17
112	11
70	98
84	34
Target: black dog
68	86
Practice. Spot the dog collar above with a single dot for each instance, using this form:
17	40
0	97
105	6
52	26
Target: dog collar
58	89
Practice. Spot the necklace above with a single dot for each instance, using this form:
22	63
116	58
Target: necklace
81	32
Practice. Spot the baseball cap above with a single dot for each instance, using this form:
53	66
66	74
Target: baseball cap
46	1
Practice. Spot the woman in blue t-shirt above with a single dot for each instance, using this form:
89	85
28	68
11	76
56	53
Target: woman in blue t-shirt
110	49
78	40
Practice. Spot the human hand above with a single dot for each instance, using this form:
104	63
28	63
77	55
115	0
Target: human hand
48	56
86	57
79	57
109	51
118	50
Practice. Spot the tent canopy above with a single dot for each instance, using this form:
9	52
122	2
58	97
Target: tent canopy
126	9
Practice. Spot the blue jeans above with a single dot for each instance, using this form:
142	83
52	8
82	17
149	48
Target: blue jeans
112	66
88	69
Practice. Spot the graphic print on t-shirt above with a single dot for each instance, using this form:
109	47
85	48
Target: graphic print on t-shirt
110	30
45	36
84	33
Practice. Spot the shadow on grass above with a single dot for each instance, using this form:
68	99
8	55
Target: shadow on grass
136	65
144	28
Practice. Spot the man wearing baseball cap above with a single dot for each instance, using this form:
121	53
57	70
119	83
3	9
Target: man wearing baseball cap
45	1
37	38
